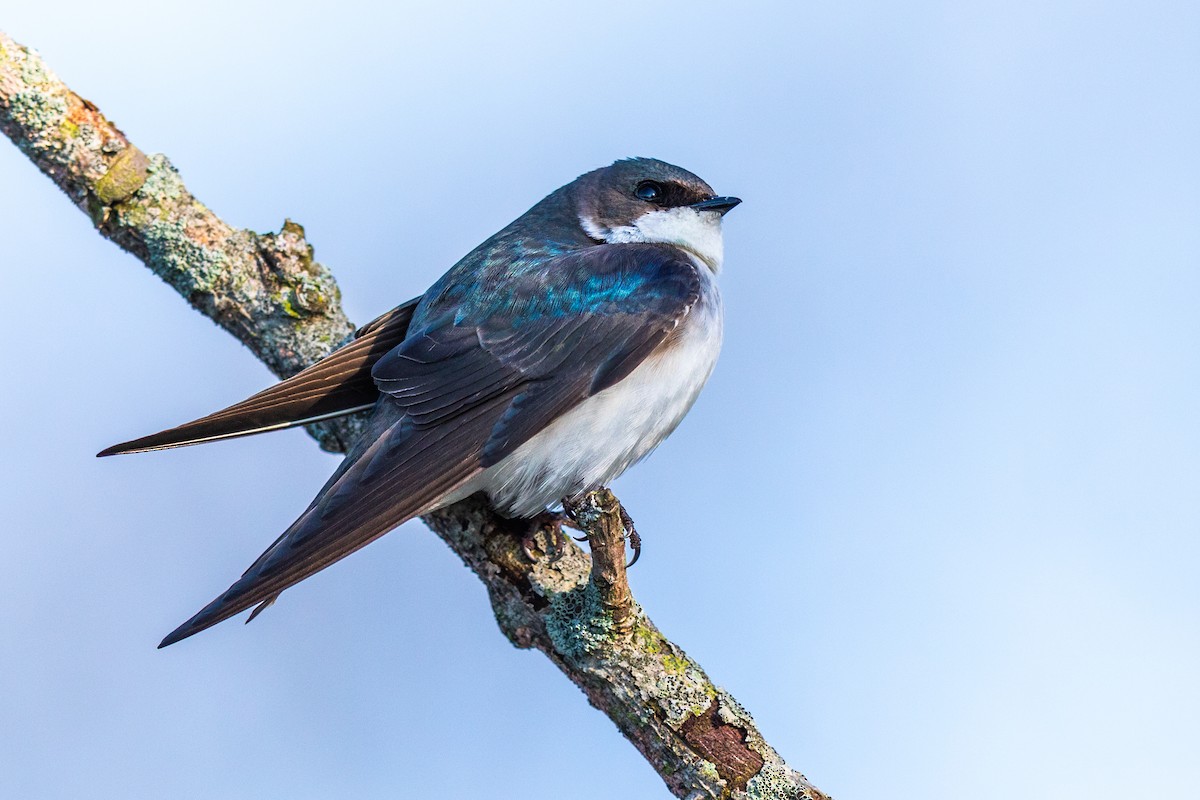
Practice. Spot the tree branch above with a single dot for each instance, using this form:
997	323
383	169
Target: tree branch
268	292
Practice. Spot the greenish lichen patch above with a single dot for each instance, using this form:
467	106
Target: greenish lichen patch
305	299
285	302
34	71
177	252
40	115
37	110
674	664
186	265
162	181
577	622
646	638
708	770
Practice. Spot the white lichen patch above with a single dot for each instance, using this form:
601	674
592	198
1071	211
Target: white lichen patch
682	694
732	712
775	782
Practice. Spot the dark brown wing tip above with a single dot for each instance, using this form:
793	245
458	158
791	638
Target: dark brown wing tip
120	449
229	604
201	621
176	635
195	432
157	441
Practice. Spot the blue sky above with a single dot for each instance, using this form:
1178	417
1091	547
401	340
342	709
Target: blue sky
934	520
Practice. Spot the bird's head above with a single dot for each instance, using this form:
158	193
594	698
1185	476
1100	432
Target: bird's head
646	200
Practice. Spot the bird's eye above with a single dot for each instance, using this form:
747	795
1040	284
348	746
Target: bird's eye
649	191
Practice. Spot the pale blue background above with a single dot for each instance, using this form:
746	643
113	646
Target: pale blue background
934	520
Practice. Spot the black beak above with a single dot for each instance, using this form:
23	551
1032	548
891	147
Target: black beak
721	204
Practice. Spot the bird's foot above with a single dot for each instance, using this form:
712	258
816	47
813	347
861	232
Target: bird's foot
631	534
555	538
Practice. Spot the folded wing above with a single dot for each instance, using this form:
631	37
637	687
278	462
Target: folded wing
337	385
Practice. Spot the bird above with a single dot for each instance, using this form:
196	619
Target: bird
552	357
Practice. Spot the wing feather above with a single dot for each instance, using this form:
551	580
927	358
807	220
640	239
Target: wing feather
385	487
337	385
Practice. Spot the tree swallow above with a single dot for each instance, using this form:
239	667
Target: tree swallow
552	357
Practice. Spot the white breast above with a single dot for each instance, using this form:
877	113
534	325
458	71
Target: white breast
604	435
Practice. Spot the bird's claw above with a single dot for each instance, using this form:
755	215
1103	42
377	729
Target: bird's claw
568	517
556	539
635	539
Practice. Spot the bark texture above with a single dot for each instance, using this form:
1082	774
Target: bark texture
268	292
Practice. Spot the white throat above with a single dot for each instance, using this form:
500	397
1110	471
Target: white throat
698	232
